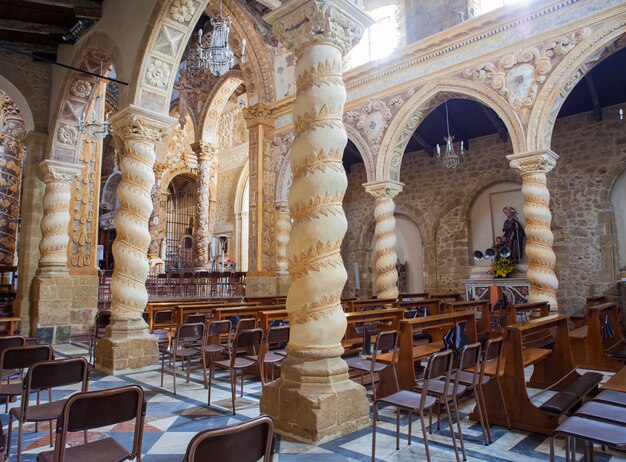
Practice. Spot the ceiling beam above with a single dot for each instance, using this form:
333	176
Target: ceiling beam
32	27
595	100
497	123
90	9
30	47
423	143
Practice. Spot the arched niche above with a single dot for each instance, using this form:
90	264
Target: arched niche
20	101
242	223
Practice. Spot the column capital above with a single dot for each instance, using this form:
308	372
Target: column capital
55	171
541	161
258	114
384	189
135	122
280	205
205	150
298	23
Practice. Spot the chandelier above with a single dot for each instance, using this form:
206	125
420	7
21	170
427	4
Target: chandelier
450	158
95	129
216	56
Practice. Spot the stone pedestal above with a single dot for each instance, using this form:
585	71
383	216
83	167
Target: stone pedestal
53	293
314	400
534	166
127	345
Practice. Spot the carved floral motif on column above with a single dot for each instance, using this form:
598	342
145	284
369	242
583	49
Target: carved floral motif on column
534	167
205	153
385	236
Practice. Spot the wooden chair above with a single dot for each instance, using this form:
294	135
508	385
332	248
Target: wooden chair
95	409
186	335
243	442
101	321
274	336
45	375
212	345
438	366
386	343
250	339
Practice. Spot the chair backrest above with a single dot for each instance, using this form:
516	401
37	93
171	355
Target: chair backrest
219	327
23	357
494	348
251	338
278	334
387	342
9	341
163	317
189	333
103	319
244	442
195	318
245	324
470	358
95	409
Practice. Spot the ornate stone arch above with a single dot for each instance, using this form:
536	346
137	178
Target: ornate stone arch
241	186
364	150
597	47
216	102
174	23
109	191
421	103
20	101
171	174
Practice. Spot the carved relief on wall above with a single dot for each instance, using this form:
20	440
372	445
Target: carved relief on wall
232	130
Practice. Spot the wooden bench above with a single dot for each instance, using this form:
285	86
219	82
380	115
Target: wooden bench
373	303
9	326
222	313
481	307
267	300
267	317
182	311
589	349
527	311
454	297
617	382
412	297
387	319
433	306
409	353
553	369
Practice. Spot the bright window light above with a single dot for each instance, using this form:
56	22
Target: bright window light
379	40
489	5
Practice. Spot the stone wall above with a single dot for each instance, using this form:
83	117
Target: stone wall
425	17
592	156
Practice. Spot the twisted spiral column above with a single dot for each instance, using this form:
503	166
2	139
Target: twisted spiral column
314	378
385	236
541	258
206	153
58	177
283	230
127	344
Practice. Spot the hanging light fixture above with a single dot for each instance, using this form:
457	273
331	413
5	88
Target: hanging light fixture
216	56
95	129
450	158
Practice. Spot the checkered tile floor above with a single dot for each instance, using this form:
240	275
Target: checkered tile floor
173	420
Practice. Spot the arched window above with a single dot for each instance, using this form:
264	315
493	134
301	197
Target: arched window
379	40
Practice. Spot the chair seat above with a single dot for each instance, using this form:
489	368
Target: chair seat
365	365
273	358
214	348
592	430
41	412
11	389
240	362
105	450
437	386
602	411
185	352
466	378
617	398
407	400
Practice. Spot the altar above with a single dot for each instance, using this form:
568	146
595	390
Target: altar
516	289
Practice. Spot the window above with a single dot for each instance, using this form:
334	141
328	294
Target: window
379	40
485	6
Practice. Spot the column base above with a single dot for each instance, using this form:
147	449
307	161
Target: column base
127	346
314	401
260	286
283	281
53	294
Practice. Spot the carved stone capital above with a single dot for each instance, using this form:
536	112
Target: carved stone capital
385	189
138	123
541	161
259	114
53	171
9	108
298	23
204	150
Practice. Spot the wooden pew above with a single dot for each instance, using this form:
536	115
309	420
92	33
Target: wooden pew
617	382
437	325
527	311
266	318
481	307
207	308
267	300
9	326
183	307
550	367
412	297
388	319
454	297
433	306
589	350
373	303
597	300
253	311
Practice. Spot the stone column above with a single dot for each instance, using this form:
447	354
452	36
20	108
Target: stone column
53	289
127	345
541	259
385	234
283	230
261	279
314	400
206	155
30	229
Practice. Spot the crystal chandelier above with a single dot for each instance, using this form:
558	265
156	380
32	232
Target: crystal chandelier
216	56
450	158
95	129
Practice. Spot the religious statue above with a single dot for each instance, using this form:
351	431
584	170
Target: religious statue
514	234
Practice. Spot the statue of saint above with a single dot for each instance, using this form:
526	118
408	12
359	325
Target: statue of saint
513	233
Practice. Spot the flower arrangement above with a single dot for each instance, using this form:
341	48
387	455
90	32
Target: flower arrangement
502	267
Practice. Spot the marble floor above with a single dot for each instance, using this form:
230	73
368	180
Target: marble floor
172	420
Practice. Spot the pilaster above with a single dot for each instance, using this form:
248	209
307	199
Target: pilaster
127	345
534	166
314	400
